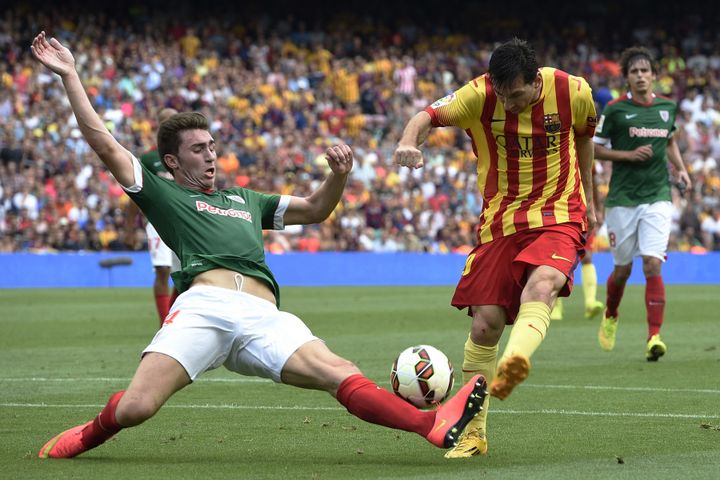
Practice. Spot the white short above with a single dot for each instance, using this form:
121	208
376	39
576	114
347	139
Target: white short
211	326
641	230
160	254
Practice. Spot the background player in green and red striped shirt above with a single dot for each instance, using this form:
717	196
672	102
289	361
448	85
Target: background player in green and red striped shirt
531	129
636	133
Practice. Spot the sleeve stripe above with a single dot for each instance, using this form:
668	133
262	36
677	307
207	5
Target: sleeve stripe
435	122
279	220
137	170
605	142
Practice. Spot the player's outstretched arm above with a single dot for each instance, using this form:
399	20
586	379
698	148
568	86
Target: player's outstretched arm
60	60
319	205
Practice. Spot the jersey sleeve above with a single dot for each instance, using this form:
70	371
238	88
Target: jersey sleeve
271	209
459	108
148	191
139	171
583	107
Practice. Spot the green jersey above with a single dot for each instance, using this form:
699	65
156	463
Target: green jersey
628	125
151	160
208	230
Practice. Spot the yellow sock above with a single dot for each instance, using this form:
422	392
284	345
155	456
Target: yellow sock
557	311
482	360
589	283
529	330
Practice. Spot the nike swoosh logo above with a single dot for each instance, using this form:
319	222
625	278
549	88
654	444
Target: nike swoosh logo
497	120
555	256
630	115
442	424
193	196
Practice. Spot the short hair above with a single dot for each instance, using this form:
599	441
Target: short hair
166	113
513	58
168	136
632	55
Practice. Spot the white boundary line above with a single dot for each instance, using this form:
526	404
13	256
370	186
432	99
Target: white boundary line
339	409
127	379
625	389
303	408
263	380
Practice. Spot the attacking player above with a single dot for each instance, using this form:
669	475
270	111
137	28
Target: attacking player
531	130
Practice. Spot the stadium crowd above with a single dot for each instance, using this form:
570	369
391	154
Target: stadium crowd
278	92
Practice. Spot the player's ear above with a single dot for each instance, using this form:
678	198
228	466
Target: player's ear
538	80
171	161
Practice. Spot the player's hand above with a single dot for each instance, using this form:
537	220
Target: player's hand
340	159
641	154
684	183
408	156
592	219
53	55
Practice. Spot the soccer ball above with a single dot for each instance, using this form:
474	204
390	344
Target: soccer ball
422	375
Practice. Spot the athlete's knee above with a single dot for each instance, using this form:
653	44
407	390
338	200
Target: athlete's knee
329	375
337	364
487	325
162	274
340	371
621	273
315	366
543	285
652	266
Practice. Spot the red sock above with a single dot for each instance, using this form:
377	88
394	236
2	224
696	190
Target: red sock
614	295
105	424
655	304
364	399
162	302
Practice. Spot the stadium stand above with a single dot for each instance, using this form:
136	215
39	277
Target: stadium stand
280	88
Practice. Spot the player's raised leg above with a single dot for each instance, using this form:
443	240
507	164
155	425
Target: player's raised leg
314	366
533	319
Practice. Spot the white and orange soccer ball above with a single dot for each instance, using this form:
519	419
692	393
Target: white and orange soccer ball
422	375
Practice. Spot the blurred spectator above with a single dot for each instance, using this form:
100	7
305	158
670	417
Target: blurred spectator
278	90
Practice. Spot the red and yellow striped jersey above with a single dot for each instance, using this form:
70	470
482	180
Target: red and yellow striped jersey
528	171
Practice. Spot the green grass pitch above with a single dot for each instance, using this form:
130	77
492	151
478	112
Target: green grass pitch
582	413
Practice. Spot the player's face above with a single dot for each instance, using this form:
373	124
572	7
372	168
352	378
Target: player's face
196	160
518	96
640	76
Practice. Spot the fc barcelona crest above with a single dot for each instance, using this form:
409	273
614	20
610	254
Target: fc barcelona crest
552	122
665	115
